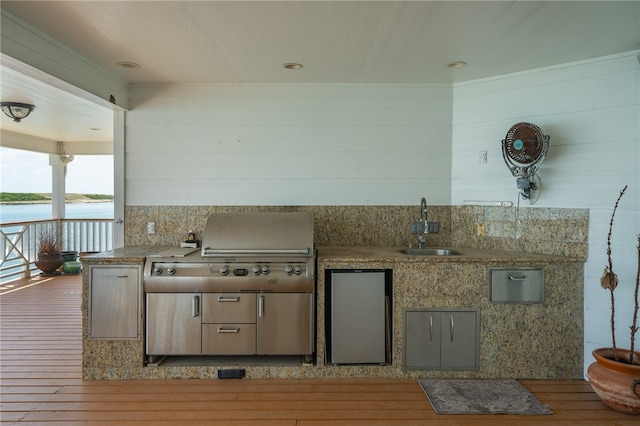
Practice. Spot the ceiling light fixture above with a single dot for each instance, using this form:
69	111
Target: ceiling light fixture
456	64
128	65
16	110
292	66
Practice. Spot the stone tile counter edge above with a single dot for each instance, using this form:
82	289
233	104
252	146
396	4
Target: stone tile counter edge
394	254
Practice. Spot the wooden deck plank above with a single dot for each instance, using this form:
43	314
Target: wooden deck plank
41	383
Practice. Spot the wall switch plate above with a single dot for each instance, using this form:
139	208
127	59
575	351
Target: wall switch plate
151	227
482	157
480	229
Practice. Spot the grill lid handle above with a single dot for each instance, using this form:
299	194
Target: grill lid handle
209	251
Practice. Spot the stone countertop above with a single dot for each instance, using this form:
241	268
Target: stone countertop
130	254
137	254
467	255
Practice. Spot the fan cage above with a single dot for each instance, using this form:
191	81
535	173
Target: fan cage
524	148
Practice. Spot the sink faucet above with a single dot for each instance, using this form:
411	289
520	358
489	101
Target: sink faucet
423	226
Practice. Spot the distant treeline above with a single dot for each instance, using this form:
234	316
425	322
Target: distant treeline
99	196
7	197
25	197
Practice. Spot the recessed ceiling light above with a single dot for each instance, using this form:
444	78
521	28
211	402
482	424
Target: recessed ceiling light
292	66
456	64
129	65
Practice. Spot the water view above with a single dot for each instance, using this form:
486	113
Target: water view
28	212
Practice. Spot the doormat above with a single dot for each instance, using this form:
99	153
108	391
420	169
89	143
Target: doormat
459	396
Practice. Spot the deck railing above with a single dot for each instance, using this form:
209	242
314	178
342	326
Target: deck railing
18	242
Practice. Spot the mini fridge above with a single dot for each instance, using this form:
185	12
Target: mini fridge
358	313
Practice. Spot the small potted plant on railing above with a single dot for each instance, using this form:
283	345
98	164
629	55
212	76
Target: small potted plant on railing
49	255
615	376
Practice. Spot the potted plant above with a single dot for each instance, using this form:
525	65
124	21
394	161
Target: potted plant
49	255
615	376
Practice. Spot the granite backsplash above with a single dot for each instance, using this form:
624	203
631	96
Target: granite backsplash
554	231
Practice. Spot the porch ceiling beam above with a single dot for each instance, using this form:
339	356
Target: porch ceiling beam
48	146
32	52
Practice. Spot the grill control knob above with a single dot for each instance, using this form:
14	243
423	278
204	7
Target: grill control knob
265	269
288	269
157	270
224	270
256	270
297	270
171	270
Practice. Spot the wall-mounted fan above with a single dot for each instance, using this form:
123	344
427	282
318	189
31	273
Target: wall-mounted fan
523	149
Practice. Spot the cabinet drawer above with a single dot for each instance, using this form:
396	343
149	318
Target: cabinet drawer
516	285
228	339
229	308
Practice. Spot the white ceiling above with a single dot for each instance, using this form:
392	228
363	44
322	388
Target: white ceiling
341	42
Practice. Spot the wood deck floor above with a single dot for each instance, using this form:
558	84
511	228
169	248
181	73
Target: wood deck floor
40	355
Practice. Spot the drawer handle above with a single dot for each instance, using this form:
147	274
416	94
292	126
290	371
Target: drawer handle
229	330
228	299
522	278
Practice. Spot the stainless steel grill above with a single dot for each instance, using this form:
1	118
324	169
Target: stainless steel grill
248	291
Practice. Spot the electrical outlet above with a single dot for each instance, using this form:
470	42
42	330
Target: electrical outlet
482	157
151	227
480	229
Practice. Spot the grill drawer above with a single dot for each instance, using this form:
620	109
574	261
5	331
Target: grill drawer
516	285
228	339
229	308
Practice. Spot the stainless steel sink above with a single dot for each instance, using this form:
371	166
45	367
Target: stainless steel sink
430	252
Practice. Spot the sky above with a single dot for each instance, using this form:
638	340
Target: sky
27	171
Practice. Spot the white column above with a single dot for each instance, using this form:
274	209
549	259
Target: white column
119	178
58	165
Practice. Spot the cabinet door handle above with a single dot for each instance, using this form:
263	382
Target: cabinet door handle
228	299
431	328
261	306
235	330
451	327
522	278
195	306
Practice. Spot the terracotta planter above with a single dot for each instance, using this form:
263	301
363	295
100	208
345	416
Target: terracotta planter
48	263
616	383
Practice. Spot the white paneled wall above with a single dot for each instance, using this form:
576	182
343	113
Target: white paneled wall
288	145
591	111
391	145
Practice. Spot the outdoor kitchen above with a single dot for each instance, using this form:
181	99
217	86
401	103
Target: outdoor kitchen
232	284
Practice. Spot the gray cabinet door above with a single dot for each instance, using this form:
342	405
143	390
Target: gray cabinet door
114	302
458	339
422	339
441	339
174	324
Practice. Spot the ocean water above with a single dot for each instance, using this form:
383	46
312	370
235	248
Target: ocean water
27	212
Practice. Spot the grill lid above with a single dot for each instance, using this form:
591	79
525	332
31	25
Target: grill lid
247	234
